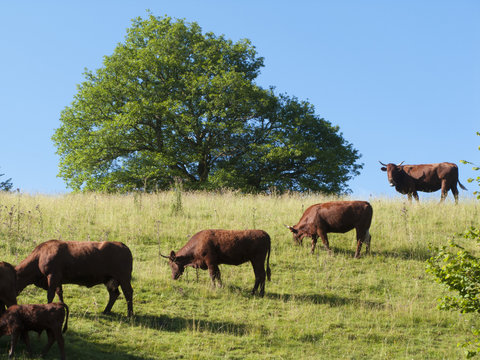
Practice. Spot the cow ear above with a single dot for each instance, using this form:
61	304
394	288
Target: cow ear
172	256
292	229
383	168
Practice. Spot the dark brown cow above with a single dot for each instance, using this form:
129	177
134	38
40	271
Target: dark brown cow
85	263
18	320
335	217
408	179
209	248
8	292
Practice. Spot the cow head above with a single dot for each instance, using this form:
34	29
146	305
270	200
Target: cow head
395	173
176	264
297	235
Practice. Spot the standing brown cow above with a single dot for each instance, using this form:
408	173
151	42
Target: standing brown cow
85	263
18	320
408	179
8	292
335	217
209	248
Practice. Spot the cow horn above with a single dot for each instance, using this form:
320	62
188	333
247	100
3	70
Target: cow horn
401	163
382	163
166	257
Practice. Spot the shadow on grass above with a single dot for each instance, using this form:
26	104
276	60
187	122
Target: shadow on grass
177	324
328	299
419	254
76	347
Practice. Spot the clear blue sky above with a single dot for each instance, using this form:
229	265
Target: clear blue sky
400	78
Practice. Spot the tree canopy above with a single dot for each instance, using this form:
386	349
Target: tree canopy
172	103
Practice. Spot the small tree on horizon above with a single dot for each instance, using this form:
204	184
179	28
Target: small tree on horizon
5	185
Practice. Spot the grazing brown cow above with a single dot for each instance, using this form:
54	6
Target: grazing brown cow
8	292
85	263
18	320
408	179
335	217
209	248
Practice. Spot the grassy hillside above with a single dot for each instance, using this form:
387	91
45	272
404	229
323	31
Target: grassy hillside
381	306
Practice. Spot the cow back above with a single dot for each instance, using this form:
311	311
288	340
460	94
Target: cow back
429	177
232	247
85	263
335	216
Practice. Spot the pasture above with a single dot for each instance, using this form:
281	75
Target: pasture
381	306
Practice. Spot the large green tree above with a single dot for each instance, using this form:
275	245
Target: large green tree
174	103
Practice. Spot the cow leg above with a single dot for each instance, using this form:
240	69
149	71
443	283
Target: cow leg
259	270
55	334
314	243
362	237
128	293
13	343
367	240
444	191
51	340
214	272
415	196
324	238
112	287
61	344
359	248
455	192
26	340
54	286
59	291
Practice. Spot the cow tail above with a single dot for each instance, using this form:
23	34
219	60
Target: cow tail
65	327
463	187
269	273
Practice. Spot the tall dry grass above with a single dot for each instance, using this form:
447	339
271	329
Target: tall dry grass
382	306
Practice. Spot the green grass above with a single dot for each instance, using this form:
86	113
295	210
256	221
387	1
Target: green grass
381	306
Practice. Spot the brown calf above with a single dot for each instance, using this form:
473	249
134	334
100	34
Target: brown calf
18	320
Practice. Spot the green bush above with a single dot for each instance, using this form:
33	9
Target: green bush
459	270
